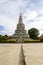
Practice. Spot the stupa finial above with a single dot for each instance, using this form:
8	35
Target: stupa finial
20	18
20	15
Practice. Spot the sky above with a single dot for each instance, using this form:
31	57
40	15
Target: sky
32	14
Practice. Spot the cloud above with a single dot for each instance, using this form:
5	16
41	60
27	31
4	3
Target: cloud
8	24
34	20
2	1
9	12
31	15
32	11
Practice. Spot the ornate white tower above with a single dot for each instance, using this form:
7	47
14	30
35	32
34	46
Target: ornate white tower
20	25
20	33
22	57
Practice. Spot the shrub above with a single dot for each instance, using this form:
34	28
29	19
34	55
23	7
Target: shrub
3	41
8	41
31	41
12	41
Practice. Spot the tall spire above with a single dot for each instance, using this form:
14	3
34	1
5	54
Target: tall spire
20	19
22	57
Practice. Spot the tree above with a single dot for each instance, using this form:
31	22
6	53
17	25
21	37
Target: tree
2	37
33	33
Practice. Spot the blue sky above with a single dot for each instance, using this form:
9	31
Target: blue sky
31	10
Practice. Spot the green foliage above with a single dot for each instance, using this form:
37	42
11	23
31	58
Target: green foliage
12	41
2	37
3	41
33	33
31	41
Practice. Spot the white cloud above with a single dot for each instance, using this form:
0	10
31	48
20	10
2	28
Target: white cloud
36	20
31	15
38	23
41	11
2	1
10	10
9	14
8	23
